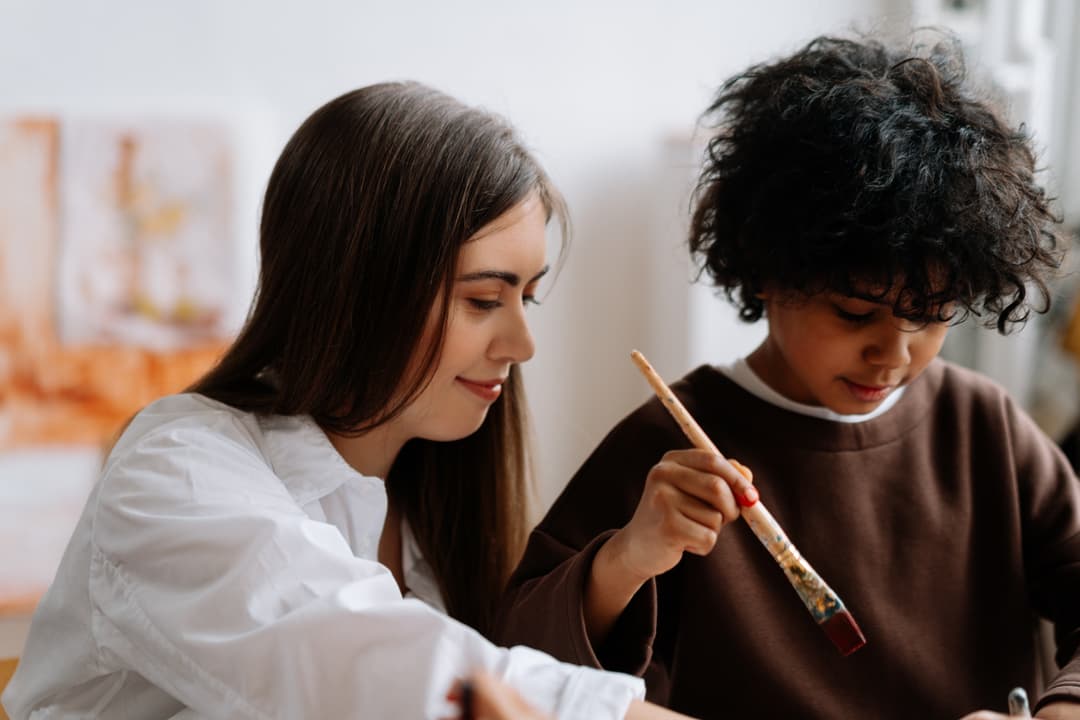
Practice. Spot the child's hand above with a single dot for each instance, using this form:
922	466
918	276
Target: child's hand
688	498
689	495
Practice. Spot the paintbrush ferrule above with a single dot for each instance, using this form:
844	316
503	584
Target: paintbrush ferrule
818	597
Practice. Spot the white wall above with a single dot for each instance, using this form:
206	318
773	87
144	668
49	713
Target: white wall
1027	49
597	87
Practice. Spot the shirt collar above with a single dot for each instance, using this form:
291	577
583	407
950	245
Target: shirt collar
742	374
311	468
305	460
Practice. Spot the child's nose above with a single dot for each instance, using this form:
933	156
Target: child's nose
890	348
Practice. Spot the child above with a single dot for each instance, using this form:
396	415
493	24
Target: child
861	200
241	555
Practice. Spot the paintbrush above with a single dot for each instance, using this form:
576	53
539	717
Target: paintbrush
1018	703
824	605
467	701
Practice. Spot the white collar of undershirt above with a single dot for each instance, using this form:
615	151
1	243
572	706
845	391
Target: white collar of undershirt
744	376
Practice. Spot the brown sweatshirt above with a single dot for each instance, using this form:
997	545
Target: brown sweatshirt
946	525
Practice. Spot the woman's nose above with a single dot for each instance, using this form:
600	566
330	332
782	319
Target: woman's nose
515	341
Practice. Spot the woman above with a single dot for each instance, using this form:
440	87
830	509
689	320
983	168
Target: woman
279	540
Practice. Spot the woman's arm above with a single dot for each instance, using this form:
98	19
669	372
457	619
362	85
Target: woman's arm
210	579
491	699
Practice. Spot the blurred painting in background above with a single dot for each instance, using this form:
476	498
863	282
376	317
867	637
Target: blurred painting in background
117	263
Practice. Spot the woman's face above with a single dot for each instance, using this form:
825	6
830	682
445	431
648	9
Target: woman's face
498	271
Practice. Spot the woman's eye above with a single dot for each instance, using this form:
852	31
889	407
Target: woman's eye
485	304
481	304
854	317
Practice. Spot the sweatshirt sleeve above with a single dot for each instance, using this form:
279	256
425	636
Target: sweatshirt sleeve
1050	508
544	603
546	610
209	579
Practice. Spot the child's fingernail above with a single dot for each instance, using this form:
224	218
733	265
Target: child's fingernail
749	497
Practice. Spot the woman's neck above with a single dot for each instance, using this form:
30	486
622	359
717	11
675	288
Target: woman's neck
371	454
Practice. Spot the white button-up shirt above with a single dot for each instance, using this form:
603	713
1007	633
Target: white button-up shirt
225	566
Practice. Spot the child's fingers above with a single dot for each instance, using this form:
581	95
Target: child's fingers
742	485
695	473
736	475
706	514
679	520
743	470
697	537
743	488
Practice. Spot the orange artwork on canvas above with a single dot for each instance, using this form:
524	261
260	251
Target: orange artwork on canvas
116	276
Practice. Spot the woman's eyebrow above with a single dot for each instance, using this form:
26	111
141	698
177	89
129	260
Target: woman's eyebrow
511	279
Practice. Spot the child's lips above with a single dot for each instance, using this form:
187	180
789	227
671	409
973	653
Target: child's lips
869	393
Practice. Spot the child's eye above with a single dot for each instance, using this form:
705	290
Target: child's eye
481	304
854	317
530	300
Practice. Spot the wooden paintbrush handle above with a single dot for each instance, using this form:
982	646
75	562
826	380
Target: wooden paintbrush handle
818	597
689	426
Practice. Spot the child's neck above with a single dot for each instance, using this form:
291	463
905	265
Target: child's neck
765	364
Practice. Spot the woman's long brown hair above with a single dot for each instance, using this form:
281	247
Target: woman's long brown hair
365	213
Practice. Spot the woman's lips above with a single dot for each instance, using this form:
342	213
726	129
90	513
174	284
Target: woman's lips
487	390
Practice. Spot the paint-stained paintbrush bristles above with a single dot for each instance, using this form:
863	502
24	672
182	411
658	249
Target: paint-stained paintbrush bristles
824	605
844	632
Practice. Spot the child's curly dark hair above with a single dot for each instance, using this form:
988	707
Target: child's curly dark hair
849	162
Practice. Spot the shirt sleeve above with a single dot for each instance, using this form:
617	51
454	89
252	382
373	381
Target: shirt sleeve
209	580
1050	507
544	608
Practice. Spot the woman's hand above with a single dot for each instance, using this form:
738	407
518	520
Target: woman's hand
492	699
688	497
1053	711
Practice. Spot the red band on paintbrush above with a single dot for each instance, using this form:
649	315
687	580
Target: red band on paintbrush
748	498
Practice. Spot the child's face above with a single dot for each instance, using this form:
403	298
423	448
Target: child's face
844	353
498	271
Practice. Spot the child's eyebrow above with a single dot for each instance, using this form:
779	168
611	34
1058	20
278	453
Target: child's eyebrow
866	297
929	315
511	279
